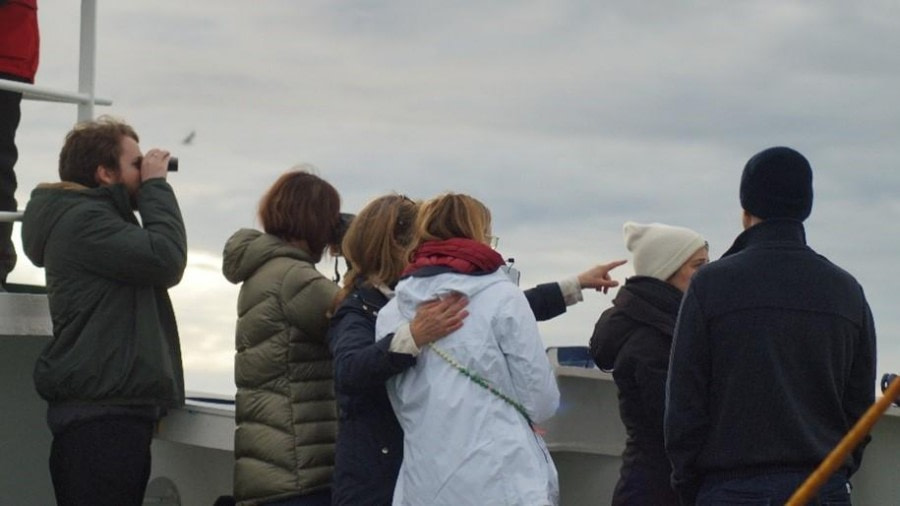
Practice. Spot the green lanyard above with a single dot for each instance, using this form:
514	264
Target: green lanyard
483	383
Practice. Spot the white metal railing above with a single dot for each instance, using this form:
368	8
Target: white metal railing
33	92
87	54
7	216
84	97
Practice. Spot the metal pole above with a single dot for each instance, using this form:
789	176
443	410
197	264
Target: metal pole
87	58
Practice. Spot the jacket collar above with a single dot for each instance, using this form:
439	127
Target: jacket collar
650	301
780	230
116	193
372	298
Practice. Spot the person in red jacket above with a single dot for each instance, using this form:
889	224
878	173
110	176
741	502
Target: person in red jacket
19	51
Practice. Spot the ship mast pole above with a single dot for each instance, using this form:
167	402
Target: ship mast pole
87	58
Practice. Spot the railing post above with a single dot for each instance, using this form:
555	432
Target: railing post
87	58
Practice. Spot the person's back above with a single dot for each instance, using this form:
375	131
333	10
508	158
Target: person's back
468	406
633	340
284	407
788	332
462	443
774	352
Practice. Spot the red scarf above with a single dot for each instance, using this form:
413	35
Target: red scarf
462	255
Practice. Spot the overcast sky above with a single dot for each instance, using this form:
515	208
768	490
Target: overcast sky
565	117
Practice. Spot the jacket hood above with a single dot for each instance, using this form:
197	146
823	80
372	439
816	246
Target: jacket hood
247	250
49	201
641	301
415	290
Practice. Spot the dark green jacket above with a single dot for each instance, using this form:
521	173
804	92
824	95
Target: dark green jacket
115	341
284	409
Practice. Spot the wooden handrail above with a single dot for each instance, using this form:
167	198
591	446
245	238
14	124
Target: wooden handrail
836	458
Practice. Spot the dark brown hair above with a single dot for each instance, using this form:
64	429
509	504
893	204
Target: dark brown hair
301	206
92	144
378	241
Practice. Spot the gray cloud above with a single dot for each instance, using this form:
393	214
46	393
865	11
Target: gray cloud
566	118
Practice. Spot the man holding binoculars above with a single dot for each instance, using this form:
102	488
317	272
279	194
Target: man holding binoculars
113	366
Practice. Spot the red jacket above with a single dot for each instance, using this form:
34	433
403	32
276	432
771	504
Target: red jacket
19	38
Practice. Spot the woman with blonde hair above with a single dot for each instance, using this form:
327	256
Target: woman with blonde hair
284	407
469	405
633	339
369	447
377	245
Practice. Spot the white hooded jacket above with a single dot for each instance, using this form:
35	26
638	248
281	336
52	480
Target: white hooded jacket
463	444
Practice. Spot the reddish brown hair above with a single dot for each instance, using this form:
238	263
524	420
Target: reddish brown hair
301	206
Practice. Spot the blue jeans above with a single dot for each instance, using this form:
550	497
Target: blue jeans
770	490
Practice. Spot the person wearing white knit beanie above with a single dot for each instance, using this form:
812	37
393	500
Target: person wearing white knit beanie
665	252
633	339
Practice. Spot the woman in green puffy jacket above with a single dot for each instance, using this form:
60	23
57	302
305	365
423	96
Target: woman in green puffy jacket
284	408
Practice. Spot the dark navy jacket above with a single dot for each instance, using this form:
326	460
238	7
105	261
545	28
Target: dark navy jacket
369	448
633	339
773	361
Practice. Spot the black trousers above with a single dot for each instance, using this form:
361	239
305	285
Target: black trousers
10	114
102	462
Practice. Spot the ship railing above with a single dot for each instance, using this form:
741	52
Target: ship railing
9	216
84	97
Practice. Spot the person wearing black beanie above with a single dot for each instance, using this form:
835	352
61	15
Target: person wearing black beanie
777	183
773	357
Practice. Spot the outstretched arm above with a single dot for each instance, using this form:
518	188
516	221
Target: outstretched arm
549	300
598	277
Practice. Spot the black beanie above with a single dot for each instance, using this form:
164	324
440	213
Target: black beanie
777	183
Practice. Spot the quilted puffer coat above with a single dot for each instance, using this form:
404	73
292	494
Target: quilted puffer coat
285	410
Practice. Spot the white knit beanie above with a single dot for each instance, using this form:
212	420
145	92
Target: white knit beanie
660	250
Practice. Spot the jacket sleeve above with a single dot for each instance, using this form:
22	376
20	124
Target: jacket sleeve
687	396
859	395
360	362
307	296
155	254
604	359
533	381
546	301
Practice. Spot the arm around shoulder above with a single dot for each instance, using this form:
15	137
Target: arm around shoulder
361	363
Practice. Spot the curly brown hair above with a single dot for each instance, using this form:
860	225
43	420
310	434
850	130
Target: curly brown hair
92	144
